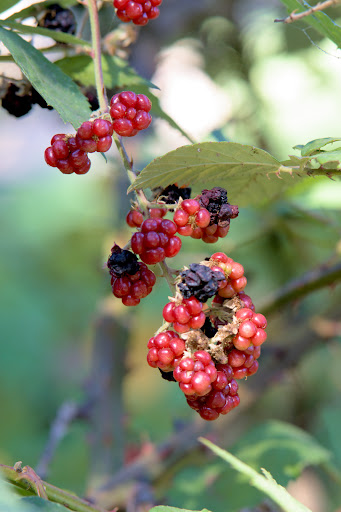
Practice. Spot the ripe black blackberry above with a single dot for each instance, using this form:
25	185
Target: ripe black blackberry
39	100
208	329
122	262
17	103
59	19
215	201
200	282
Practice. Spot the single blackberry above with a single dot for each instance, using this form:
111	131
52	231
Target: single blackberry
200	282
59	19
122	262
208	328
215	201
16	104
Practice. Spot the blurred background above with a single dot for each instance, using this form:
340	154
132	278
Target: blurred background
225	71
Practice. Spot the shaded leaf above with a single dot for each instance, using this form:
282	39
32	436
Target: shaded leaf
249	174
264	483
314	145
116	71
319	20
54	86
62	37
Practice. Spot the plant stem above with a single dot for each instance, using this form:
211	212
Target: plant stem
318	7
312	280
97	55
23	477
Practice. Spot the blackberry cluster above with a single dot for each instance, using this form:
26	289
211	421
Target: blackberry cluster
122	262
59	19
138	11
18	104
200	282
215	201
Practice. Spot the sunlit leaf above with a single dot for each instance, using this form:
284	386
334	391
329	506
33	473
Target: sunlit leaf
54	86
249	174
319	20
315	145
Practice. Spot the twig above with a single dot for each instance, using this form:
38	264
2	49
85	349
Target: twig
97	55
66	414
310	281
318	7
23	477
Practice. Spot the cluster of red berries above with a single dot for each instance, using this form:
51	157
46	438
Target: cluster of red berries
137	11
233	332
156	241
194	221
132	288
129	113
184	315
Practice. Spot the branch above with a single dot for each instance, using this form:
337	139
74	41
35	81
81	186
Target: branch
318	7
310	281
23	477
97	54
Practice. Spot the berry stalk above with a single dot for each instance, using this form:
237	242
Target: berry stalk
97	54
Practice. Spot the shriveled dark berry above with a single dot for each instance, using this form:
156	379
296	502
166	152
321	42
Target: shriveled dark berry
91	96
122	262
59	19
15	103
215	201
200	282
172	194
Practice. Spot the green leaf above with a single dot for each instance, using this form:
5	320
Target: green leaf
117	74
7	4
116	71
249	174
264	483
61	37
284	448
35	9
319	20
315	145
56	88
327	159
164	508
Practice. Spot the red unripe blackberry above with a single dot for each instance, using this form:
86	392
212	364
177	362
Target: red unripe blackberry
221	399
259	338
184	316
165	349
130	111
247	300
65	155
95	136
137	11
247	329
191	219
155	242
133	287
134	218
196	374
